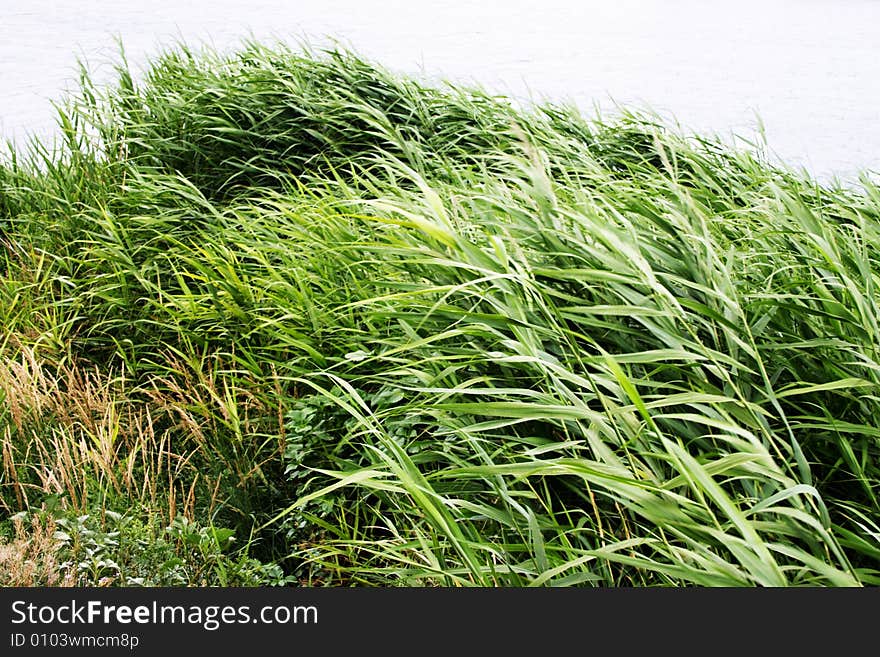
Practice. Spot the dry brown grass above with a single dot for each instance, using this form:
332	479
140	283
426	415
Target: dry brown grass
31	558
72	431
76	432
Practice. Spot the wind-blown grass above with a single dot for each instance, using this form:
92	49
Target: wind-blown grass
402	334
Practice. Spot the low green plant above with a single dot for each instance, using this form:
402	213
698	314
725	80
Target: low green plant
106	548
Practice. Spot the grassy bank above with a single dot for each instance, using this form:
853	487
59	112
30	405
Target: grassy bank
284	317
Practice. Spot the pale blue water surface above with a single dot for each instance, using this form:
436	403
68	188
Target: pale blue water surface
810	69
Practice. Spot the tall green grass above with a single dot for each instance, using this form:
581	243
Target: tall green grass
407	334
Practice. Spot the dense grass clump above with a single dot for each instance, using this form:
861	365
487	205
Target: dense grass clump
388	333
